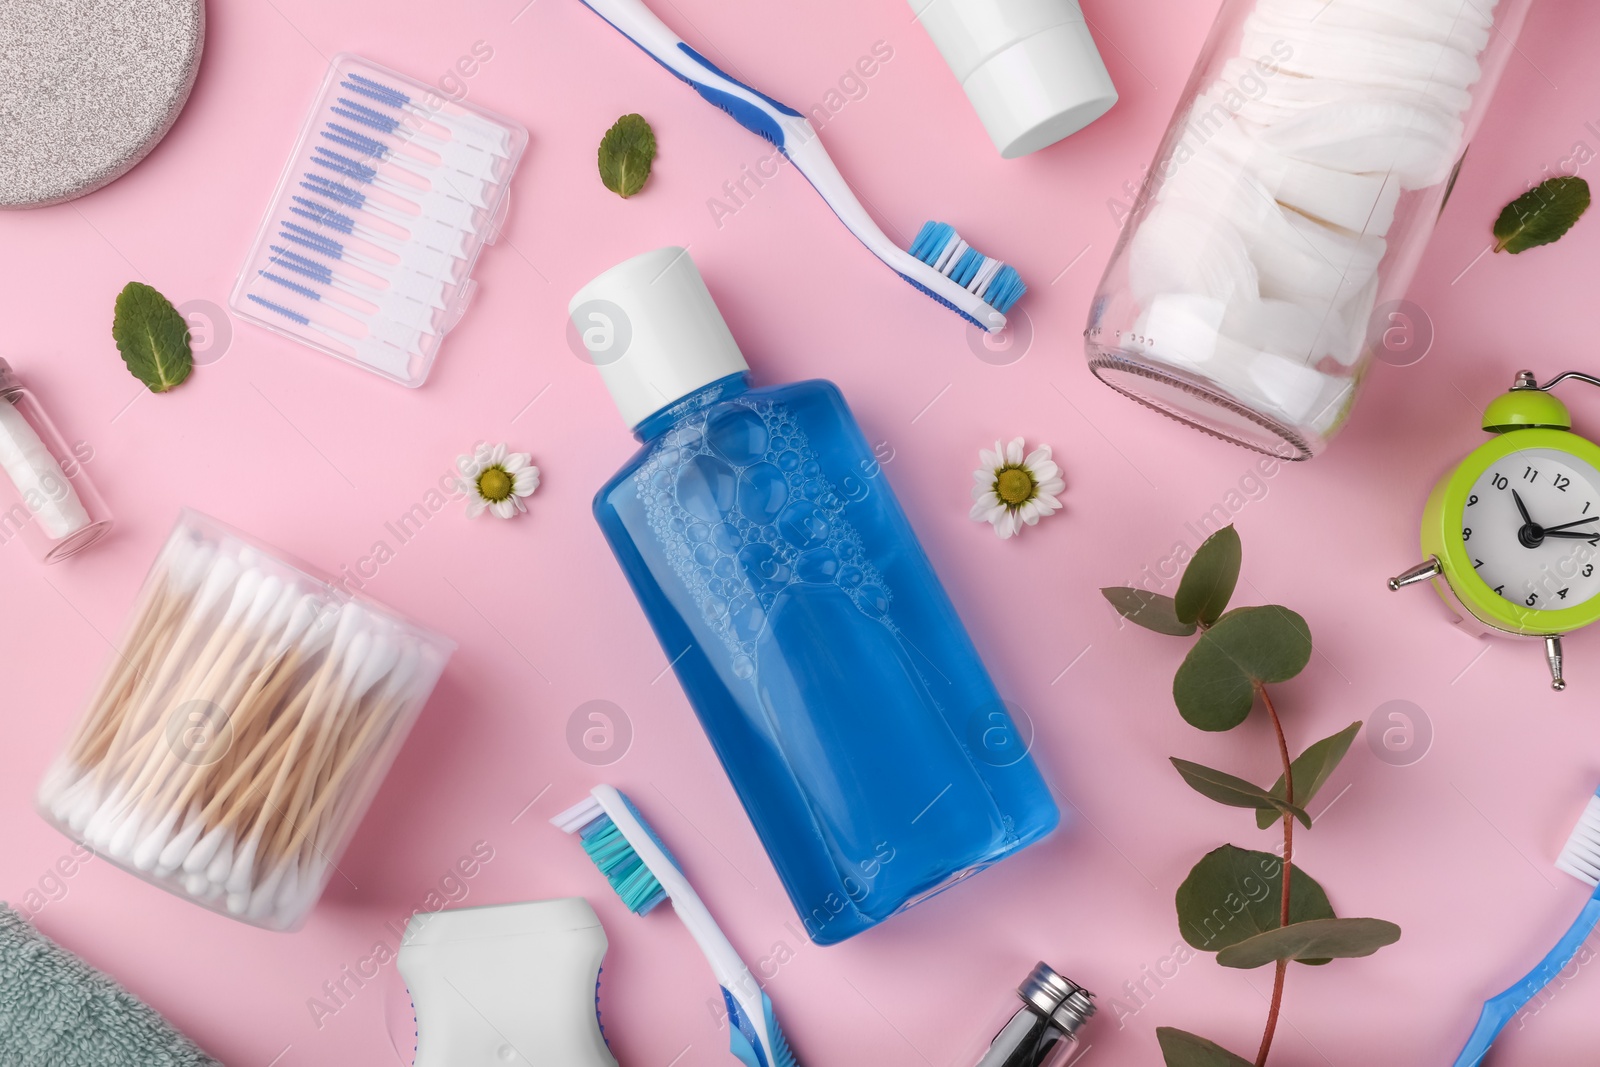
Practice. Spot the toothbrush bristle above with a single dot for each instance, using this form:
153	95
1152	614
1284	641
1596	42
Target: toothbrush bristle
995	283
1581	856
629	876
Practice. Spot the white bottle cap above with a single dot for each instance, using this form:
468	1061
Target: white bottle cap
649	324
1030	67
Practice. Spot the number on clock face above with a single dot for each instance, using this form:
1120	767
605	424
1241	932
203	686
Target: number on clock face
1531	525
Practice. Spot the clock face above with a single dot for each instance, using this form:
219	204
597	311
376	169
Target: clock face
1531	526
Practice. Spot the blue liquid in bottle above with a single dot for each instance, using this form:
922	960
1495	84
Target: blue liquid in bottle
808	628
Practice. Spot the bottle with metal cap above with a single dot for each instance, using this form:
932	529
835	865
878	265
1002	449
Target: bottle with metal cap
1043	1032
803	618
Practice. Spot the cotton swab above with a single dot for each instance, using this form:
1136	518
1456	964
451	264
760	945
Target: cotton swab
302	698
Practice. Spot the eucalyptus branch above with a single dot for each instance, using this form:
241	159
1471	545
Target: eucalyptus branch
1221	908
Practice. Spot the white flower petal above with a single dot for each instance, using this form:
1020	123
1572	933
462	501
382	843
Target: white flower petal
516	461
1014	452
1029	512
1006	525
525	481
503	509
1051	486
1047	503
476	506
1037	457
992	461
497	455
1043	472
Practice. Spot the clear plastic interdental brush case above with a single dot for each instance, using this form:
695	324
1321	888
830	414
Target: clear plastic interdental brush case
367	249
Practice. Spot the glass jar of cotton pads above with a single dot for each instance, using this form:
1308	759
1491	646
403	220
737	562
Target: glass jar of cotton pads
1288	207
242	728
46	499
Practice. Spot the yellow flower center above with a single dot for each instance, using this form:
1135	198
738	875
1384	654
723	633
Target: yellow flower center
495	485
1014	487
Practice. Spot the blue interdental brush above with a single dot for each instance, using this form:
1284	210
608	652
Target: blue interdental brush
377	120
455	213
426	291
940	264
471	165
469	190
372	349
461	124
449	241
388	305
418	260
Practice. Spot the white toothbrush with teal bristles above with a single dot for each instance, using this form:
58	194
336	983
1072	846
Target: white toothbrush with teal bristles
1581	859
643	873
940	263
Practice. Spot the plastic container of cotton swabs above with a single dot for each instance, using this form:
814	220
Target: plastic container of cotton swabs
242	728
367	249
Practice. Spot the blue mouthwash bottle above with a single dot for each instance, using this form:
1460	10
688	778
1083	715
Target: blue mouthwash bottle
804	621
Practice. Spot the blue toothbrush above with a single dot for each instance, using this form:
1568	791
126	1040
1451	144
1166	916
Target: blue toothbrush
1581	859
643	873
940	263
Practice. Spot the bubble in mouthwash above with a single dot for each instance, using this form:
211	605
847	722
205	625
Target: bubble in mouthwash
741	507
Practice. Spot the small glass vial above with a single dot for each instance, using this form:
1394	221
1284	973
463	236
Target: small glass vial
1043	1031
46	498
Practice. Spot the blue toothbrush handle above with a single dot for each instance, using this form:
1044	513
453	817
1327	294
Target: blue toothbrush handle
756	1042
1501	1009
751	108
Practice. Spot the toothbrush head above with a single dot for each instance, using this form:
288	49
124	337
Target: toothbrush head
606	842
995	283
1581	856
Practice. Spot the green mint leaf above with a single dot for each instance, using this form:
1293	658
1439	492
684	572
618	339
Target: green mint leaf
152	337
1311	771
1233	894
1235	792
1315	941
626	152
1180	1048
1209	579
1542	215
1150	610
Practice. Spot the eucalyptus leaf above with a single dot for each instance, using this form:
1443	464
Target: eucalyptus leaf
1150	610
1235	792
1215	686
1209	579
1542	215
1211	692
1179	1048
1311	770
1233	894
626	152
1313	941
152	337
1269	644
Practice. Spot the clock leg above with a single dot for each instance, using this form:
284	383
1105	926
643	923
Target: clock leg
1552	653
1422	572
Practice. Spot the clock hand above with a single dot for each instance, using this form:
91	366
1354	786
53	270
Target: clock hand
1593	536
1575	522
1525	516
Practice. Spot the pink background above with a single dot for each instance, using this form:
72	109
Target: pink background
314	456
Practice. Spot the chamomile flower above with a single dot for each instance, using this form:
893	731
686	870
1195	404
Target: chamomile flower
1014	490
496	481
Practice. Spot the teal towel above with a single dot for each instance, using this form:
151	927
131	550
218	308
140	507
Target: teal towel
57	1011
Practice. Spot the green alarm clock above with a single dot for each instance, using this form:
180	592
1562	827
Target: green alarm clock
1512	535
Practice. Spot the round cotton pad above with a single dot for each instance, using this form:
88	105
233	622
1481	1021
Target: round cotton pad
87	88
